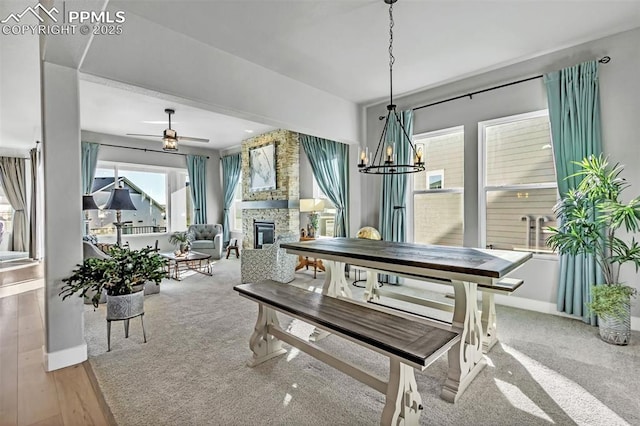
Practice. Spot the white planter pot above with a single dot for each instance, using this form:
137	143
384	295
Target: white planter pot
616	330
125	306
151	288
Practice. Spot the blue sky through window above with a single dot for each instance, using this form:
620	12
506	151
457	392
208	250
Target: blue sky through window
154	184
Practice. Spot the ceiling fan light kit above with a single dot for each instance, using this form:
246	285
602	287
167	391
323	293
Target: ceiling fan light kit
170	137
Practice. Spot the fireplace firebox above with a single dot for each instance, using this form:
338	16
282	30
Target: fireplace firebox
263	233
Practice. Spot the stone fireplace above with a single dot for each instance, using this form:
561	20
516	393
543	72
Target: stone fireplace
279	206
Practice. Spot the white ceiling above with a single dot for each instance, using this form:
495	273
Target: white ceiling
112	110
337	46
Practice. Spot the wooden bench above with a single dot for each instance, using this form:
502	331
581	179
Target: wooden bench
409	342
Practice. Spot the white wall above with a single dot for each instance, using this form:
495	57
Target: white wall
620	104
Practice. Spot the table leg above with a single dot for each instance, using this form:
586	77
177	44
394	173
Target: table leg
335	282
335	285
465	357
489	326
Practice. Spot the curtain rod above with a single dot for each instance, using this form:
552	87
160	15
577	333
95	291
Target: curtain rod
146	150
603	60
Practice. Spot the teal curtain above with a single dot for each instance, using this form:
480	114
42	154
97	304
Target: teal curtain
393	212
574	112
197	167
89	162
231	168
330	165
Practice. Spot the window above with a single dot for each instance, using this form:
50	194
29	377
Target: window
518	182
326	221
235	212
438	191
6	219
149	188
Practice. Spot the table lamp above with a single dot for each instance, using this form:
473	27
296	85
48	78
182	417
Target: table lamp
88	203
119	200
312	206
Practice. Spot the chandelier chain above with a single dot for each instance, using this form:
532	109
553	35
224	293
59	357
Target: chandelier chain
392	58
386	160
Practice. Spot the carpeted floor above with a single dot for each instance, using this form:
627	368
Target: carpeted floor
545	370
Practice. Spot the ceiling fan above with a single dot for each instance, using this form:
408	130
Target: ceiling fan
170	137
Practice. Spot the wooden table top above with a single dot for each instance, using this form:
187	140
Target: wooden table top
419	259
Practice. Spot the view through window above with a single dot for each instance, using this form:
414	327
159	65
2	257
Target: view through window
438	191
235	212
518	182
327	217
6	220
148	188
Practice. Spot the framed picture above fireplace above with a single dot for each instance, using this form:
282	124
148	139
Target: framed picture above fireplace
262	168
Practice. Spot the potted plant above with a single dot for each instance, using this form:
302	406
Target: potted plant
590	217
123	273
181	239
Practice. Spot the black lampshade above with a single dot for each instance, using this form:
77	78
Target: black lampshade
120	200
88	203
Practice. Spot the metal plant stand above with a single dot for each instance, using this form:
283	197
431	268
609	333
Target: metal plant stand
123	308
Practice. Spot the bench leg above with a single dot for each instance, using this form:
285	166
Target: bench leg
335	285
490	333
263	345
403	403
465	357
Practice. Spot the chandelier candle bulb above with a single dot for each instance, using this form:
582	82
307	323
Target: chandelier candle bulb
419	156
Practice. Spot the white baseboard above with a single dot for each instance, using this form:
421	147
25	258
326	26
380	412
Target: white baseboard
545	308
64	358
516	302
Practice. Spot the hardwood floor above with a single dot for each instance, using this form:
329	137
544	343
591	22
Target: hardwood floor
28	394
19	271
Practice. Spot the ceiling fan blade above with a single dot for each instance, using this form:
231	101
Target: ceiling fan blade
187	138
146	136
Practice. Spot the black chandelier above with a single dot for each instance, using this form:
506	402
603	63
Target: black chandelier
384	161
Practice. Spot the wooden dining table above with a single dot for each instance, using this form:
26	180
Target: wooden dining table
464	268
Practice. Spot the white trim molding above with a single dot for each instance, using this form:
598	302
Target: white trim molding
64	358
546	308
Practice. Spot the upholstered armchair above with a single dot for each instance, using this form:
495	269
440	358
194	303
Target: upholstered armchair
269	263
207	239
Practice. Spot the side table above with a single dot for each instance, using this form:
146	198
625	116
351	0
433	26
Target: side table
305	261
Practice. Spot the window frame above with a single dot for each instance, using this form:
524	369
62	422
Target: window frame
484	189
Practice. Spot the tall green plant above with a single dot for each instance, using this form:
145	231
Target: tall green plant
591	216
